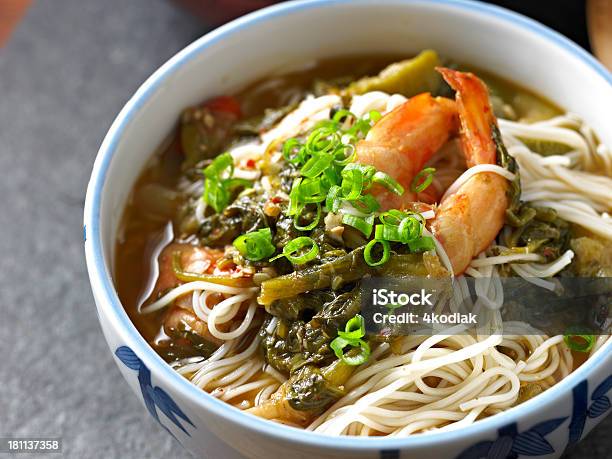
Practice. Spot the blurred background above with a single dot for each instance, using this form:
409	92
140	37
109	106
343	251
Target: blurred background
66	69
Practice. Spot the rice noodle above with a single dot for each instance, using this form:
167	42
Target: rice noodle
479	168
190	287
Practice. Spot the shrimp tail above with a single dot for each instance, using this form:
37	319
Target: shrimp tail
476	114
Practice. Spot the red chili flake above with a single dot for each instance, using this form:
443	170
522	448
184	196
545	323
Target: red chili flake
224	104
276	199
250	164
548	252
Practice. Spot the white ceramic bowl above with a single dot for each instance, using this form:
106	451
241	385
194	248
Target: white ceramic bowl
263	42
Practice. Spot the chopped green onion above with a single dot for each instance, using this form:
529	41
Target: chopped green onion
330	177
410	228
354	328
232	183
367	253
316	165
215	195
352	183
339	344
296	245
332	201
255	246
423	244
312	190
293	151
422	180
329	174
387	233
221	165
362	357
388	182
341	115
311	225
294	197
322	140
392	217
360	129
367	171
366	204
578	339
219	184
354	331
346	159
374	116
363	224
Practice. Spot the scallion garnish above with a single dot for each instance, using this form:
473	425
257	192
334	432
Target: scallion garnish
312	190
329	178
327	171
348	158
363	224
392	217
578	339
293	151
361	358
216	195
341	115
333	200
366	204
352	184
295	251
294	197
219	184
354	328
389	183
367	253
422	180
310	226
222	167
316	165
255	246
352	337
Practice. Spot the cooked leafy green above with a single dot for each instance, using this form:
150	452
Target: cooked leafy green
593	257
244	215
337	272
409	77
541	231
295	343
310	390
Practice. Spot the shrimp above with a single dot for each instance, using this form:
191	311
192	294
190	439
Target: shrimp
469	220
415	130
193	259
181	317
402	142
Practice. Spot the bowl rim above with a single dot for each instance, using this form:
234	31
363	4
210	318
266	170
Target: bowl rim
107	298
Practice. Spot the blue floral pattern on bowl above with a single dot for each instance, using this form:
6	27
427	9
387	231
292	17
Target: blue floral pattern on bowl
510	444
154	397
582	410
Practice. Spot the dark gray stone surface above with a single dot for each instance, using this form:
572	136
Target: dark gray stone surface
66	72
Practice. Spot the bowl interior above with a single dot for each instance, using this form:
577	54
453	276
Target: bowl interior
292	34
